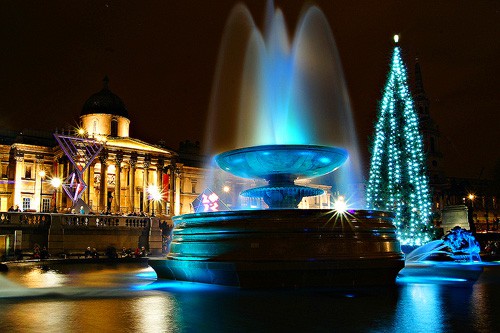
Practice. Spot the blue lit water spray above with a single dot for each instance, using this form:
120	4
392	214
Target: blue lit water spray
271	88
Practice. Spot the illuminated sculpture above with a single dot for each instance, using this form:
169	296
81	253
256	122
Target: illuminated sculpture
81	151
455	258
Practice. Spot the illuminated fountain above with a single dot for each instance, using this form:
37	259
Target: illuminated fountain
281	165
293	122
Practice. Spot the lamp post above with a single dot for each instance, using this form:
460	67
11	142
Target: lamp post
55	182
470	213
42	175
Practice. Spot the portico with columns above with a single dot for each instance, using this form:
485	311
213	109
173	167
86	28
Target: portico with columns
119	178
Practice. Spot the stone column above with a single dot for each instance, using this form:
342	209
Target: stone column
19	156
88	181
66	170
159	182
172	181
103	186
118	183
91	186
60	191
133	163
147	163
39	182
177	191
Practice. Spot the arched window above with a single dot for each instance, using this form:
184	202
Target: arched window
114	127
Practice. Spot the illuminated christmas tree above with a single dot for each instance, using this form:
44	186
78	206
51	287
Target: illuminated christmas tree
397	180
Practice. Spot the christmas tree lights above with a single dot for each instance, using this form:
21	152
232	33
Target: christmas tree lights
397	180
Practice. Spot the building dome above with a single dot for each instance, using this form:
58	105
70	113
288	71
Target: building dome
105	102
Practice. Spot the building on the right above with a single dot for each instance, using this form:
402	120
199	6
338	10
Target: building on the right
479	196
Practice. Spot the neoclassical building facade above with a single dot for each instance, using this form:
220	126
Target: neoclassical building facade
119	179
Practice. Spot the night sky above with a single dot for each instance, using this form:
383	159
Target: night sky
160	57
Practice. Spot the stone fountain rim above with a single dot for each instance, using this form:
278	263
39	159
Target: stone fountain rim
258	213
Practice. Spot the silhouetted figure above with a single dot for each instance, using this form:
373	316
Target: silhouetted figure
88	253
111	252
95	254
36	252
143	252
44	253
123	254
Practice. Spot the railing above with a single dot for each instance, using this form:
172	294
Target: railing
73	220
104	221
24	218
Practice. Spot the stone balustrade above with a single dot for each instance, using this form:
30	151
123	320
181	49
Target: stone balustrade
25	218
75	232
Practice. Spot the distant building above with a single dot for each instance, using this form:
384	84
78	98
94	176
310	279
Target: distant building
479	195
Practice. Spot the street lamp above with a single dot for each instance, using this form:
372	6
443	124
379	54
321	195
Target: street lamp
154	195
42	175
471	198
55	182
470	213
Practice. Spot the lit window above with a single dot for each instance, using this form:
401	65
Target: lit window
114	127
26	204
45	205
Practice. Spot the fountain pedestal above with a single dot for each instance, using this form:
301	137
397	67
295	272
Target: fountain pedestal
283	248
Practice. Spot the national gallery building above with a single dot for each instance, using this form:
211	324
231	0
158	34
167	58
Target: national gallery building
118	179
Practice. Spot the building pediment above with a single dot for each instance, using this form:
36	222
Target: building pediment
127	143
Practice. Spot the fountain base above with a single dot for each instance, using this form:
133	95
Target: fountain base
283	248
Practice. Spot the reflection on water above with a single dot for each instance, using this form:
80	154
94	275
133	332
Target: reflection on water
39	278
126	298
422	304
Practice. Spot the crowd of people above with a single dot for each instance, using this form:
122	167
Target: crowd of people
42	253
492	247
138	253
12	209
111	253
93	254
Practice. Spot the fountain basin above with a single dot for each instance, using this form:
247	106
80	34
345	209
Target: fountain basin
287	162
281	165
283	248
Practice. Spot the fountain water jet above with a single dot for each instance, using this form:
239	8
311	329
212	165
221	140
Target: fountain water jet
290	91
285	103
